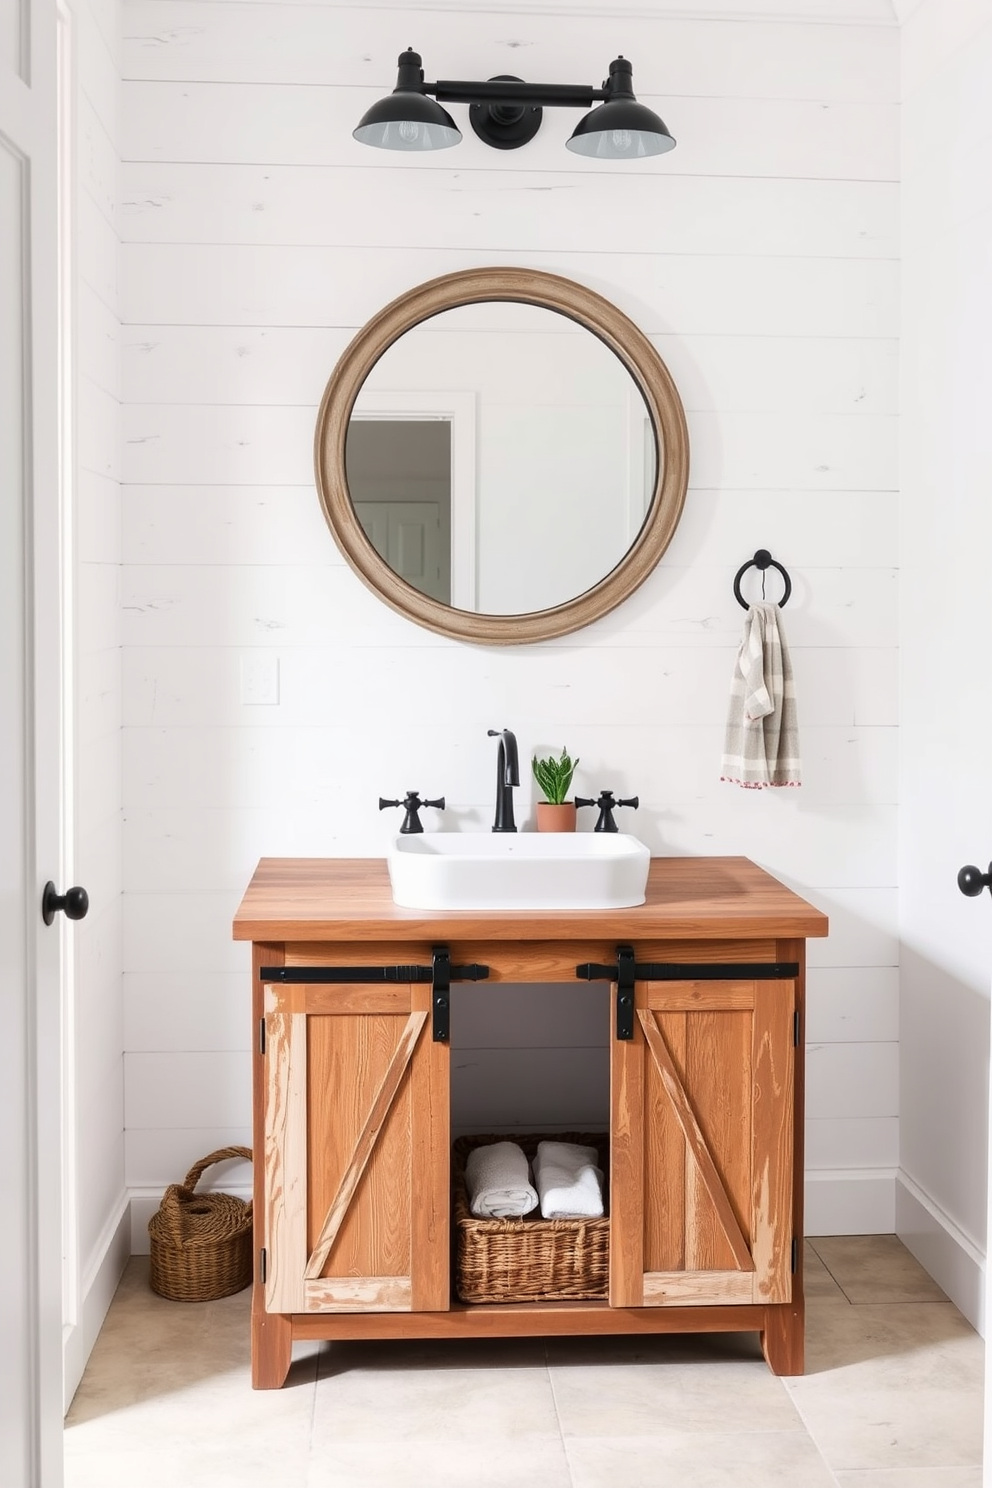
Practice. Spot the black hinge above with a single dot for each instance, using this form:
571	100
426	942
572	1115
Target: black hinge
261	1036
441	995
263	1262
625	992
795	1254
795	1028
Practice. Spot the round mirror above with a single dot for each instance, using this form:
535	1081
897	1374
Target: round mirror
501	455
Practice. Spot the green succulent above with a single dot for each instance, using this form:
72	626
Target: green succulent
554	776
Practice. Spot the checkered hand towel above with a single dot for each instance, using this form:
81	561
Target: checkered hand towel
762	742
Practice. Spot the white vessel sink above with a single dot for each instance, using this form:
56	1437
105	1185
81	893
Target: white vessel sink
518	870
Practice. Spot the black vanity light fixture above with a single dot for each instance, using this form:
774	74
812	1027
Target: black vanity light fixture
506	113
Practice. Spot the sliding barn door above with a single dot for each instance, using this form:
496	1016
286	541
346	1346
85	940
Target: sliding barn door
356	1150
701	1169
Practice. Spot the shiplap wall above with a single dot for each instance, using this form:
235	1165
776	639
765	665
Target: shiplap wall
94	1028
760	256
946	541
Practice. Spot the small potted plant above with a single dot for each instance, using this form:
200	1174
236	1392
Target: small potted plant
554	776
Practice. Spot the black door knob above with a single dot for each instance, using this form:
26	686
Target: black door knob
972	881
75	902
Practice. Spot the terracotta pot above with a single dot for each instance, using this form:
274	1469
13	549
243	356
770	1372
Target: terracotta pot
556	818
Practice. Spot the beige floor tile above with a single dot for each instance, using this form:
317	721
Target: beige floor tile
875	1268
485	1462
818	1284
433	1405
773	1459
224	1463
898	1386
924	1477
657	1399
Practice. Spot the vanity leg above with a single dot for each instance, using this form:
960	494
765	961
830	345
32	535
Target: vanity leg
271	1348
783	1338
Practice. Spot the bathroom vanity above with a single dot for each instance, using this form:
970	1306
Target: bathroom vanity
352	1002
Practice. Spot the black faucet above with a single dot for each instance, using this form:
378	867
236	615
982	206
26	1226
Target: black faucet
507	776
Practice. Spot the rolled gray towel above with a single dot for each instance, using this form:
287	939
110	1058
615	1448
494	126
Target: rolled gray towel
497	1177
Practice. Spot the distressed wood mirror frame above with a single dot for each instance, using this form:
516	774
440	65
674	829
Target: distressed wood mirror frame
634	350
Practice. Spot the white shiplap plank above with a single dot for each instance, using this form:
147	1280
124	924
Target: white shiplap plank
151	946
98	597
852	1005
98	769
312	205
157	1156
97	162
230	445
838	685
98	518
852	1142
98	447
187	1089
852	1081
275	525
216	851
98	693
181	39
203	284
201	1010
863	929
98	340
835	12
232	122
287	607
97	249
294	767
287	365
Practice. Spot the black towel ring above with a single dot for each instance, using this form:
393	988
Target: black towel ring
762	559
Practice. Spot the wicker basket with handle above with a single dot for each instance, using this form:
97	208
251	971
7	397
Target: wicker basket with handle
529	1259
201	1243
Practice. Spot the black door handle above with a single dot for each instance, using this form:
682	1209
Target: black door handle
75	902
972	881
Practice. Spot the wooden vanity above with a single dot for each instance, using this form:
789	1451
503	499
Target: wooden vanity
352	1135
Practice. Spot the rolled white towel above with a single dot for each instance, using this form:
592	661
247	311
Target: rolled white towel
497	1177
568	1181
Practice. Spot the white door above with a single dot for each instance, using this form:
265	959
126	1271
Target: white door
408	535
30	728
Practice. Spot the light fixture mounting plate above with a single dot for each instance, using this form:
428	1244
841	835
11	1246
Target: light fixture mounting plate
505	126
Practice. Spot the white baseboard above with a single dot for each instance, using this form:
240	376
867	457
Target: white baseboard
145	1202
96	1292
850	1201
942	1248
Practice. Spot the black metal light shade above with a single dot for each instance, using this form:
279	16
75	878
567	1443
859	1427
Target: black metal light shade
621	128
408	119
506	113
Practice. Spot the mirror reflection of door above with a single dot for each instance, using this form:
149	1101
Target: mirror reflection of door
399	473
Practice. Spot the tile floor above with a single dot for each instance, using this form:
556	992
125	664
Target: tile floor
892	1398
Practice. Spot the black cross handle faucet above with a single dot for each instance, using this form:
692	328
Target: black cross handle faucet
413	805
607	805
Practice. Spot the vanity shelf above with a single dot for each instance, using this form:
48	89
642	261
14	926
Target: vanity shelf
351	1104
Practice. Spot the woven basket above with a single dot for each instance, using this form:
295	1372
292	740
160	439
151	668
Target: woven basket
201	1243
529	1259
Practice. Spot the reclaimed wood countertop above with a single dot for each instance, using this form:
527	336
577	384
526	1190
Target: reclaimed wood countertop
349	899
